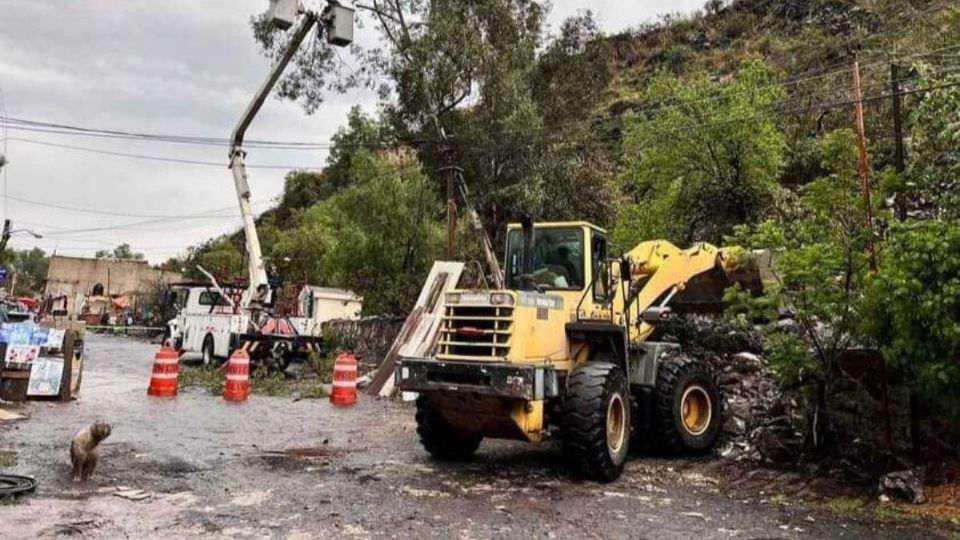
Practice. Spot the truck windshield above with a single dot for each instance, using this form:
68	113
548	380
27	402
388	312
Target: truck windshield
557	258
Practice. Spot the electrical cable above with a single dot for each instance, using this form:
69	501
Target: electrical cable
128	214
160	158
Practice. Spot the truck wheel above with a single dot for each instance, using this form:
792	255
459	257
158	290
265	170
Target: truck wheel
596	420
442	440
207	351
688	405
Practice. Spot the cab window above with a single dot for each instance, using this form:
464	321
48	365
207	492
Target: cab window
601	276
557	258
212	298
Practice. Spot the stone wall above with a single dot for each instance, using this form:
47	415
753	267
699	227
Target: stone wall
369	338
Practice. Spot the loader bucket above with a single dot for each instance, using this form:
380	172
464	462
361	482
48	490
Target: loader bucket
704	293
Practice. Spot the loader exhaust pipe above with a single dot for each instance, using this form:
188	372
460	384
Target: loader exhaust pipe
526	265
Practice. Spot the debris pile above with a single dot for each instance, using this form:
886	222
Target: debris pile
761	423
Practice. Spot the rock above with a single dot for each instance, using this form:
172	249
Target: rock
787	325
729	379
746	362
777	445
735	426
905	485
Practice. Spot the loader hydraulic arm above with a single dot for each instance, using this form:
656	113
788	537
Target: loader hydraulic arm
659	271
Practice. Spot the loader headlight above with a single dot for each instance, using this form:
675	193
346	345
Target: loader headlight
501	299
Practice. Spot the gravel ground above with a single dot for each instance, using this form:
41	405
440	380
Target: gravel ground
276	468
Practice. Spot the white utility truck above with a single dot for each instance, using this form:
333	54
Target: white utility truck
210	322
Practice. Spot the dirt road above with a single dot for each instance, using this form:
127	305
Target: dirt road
276	468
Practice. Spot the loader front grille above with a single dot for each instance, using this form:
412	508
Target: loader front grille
479	333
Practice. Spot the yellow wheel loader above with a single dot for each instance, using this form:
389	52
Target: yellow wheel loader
570	349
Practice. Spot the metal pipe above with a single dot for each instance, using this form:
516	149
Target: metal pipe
527	265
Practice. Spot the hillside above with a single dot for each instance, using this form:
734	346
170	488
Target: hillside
584	85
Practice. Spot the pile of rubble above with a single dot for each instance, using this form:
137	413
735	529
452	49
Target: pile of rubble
761	423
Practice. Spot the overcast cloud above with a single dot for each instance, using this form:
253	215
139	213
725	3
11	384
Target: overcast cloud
175	67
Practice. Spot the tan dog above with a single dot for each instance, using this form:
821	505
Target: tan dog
83	449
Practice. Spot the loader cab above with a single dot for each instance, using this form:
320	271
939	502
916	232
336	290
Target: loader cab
565	256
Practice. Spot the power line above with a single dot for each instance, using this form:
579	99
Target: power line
158	158
124	214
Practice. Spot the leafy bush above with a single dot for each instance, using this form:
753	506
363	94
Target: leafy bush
912	309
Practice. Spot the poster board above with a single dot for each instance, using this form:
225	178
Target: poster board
46	375
21	354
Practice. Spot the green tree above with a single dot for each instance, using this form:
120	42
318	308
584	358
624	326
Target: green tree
377	237
703	159
934	166
122	252
221	257
30	267
912	310
818	244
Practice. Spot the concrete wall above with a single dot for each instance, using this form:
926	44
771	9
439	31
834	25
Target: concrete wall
70	275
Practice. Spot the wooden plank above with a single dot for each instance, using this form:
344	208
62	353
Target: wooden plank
418	336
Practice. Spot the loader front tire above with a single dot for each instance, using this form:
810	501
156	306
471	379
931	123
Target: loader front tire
443	441
688	406
596	421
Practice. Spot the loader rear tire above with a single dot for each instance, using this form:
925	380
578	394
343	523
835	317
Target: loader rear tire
596	421
688	406
443	441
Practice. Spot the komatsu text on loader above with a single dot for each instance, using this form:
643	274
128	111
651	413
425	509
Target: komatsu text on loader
570	348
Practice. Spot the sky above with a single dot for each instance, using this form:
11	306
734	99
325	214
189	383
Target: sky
183	67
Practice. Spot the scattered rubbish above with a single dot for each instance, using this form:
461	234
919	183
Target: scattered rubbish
9	416
14	484
423	492
132	494
904	485
74	527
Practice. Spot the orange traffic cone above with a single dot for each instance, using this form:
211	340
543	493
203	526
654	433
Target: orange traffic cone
237	387
344	380
163	381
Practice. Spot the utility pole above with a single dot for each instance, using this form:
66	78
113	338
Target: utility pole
898	152
871	247
5	237
451	196
864	164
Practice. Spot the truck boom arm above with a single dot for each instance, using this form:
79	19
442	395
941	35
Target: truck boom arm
258	291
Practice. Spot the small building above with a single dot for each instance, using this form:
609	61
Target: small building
102	286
